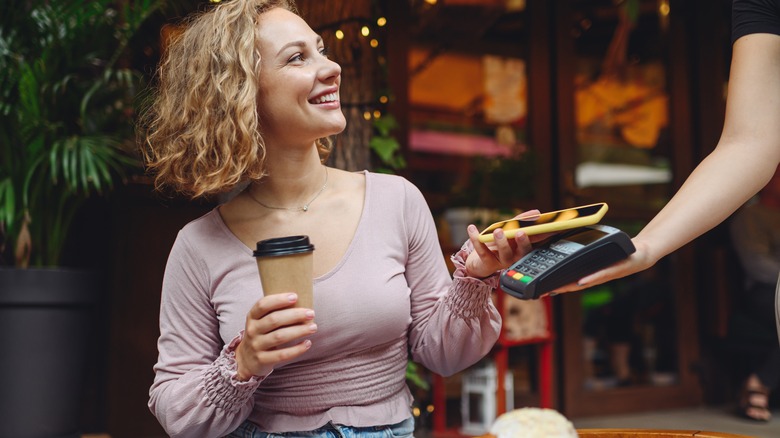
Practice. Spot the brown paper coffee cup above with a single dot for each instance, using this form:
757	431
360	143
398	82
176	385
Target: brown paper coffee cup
285	264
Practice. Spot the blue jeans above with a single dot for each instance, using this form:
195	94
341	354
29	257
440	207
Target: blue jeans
404	429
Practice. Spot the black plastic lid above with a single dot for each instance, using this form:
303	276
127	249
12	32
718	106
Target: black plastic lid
280	246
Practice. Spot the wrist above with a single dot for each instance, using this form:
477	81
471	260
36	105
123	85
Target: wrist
243	370
473	268
242	374
481	275
647	253
653	245
243	377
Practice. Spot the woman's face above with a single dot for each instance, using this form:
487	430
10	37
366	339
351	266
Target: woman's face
298	86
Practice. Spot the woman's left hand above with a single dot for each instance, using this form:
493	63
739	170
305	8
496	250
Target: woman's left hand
484	261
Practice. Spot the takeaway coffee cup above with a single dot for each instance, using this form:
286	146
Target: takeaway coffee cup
285	265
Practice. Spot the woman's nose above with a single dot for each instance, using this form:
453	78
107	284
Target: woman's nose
330	69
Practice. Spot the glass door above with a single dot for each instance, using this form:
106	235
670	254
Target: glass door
626	139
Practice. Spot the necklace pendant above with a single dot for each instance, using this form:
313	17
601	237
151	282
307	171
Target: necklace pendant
304	208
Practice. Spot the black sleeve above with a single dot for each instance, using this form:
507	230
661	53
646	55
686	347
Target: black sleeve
754	16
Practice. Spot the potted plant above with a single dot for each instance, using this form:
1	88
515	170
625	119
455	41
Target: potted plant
65	119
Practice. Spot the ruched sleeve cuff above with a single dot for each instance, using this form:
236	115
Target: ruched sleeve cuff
221	383
468	298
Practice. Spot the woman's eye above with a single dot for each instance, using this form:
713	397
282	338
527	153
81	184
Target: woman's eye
299	57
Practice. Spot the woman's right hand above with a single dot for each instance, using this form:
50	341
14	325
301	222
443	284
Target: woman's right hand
270	323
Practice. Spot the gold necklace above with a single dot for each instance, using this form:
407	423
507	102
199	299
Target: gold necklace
304	208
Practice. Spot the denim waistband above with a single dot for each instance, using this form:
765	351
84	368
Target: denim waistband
404	429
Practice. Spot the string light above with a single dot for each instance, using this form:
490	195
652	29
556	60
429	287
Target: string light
374	43
663	8
367	115
381	21
364	30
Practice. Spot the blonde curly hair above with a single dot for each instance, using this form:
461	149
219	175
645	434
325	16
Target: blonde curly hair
202	133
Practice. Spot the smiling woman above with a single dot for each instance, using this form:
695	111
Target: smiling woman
247	95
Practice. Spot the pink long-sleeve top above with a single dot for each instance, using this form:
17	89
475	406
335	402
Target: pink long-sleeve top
389	295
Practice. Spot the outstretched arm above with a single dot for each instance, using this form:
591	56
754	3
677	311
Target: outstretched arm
744	160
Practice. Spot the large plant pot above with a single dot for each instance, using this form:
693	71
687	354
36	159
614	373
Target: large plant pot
45	318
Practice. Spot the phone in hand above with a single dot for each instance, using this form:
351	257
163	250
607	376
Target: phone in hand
549	222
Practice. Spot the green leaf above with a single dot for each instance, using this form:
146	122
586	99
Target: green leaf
413	376
87	172
385	124
28	188
29	92
72	161
384	147
7	202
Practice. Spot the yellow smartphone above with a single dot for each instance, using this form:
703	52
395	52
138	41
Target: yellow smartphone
549	222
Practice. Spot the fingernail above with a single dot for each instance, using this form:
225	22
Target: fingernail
292	297
472	228
499	233
313	328
581	283
309	314
307	344
552	294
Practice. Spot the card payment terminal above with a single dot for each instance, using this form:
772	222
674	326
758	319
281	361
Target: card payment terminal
566	258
